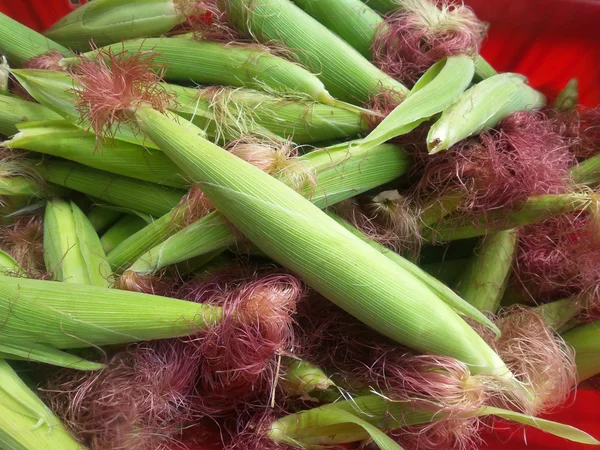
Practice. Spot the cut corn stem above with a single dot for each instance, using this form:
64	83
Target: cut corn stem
344	71
568	98
482	107
339	173
331	424
584	340
25	422
14	110
533	210
101	218
108	21
486	274
440	289
72	249
62	139
299	236
68	315
20	43
205	62
441	85
124	228
118	190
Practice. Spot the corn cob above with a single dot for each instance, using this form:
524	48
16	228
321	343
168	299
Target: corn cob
25	422
295	233
343	70
584	339
339	174
118	190
205	62
534	209
68	315
62	139
351	421
486	274
482	107
72	249
108	21
20	44
121	230
102	218
14	110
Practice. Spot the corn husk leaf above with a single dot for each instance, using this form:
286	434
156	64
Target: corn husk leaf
9	266
25	422
482	107
435	91
584	340
14	110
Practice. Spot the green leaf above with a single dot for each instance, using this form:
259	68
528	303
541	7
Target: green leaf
435	90
555	428
33	351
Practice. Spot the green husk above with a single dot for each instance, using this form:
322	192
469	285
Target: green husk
482	107
121	230
352	20
446	294
584	340
101	218
226	113
62	139
14	110
560	313
339	173
20	43
532	210
331	424
299	236
483	69
441	85
109	21
9	266
4	76
205	62
118	190
568	98
32	351
72	249
25	422
68	315
344	71
486	274
588	171
302	378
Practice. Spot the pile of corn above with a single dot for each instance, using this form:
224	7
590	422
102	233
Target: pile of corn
276	224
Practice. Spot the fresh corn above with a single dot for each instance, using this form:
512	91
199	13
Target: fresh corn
588	171
205	62
108	21
62	139
20	43
72	249
68	315
482	107
338	173
118	190
343	70
486	274
584	340
532	210
102	218
299	236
